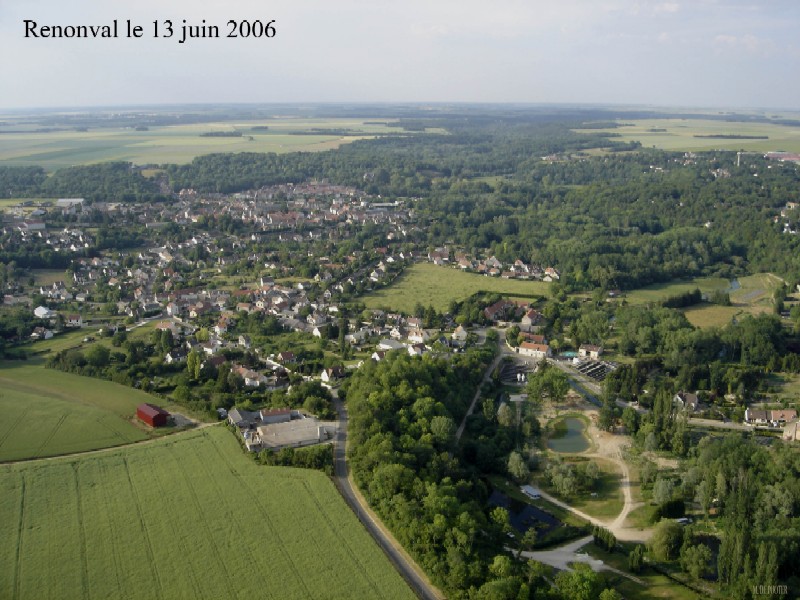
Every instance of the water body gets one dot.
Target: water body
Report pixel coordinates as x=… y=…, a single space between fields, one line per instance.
x=571 y=439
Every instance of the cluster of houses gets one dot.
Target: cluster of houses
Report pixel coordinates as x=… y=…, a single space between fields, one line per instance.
x=491 y=266
x=273 y=429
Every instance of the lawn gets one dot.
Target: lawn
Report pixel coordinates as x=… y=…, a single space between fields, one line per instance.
x=179 y=143
x=50 y=413
x=656 y=584
x=661 y=291
x=429 y=284
x=185 y=517
x=608 y=502
x=679 y=134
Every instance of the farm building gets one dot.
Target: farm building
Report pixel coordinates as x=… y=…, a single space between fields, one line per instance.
x=151 y=414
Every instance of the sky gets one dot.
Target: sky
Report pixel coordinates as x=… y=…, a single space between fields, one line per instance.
x=677 y=53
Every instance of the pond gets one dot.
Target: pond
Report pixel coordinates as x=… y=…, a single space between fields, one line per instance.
x=569 y=437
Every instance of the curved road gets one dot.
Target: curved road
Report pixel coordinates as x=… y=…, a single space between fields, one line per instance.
x=402 y=562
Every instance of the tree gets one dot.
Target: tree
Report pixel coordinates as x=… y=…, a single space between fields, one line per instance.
x=695 y=560
x=636 y=559
x=442 y=428
x=505 y=415
x=663 y=490
x=194 y=364
x=579 y=584
x=610 y=594
x=98 y=355
x=517 y=467
x=666 y=540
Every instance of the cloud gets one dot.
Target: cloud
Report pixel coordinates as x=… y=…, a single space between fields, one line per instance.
x=667 y=7
x=747 y=42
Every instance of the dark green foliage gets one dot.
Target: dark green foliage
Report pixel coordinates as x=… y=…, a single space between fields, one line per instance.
x=314 y=457
x=401 y=412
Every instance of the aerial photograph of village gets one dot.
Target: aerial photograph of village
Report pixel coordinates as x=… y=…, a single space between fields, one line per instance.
x=346 y=300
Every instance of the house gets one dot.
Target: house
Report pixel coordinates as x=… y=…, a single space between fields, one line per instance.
x=332 y=374
x=687 y=401
x=590 y=351
x=418 y=336
x=74 y=321
x=775 y=418
x=151 y=414
x=41 y=333
x=244 y=341
x=537 y=351
x=460 y=334
x=532 y=318
x=378 y=355
x=387 y=344
x=174 y=356
x=42 y=312
x=286 y=357
x=416 y=349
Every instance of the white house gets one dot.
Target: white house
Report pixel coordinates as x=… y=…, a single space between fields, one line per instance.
x=537 y=351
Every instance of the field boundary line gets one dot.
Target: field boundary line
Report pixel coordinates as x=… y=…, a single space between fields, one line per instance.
x=20 y=530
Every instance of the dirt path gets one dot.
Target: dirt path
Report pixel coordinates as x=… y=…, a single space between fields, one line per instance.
x=609 y=447
x=486 y=377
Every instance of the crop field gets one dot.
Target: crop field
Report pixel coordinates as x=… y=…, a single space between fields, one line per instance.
x=680 y=134
x=180 y=143
x=48 y=412
x=188 y=516
x=429 y=284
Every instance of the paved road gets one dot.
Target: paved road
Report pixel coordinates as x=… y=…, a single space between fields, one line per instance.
x=563 y=556
x=388 y=544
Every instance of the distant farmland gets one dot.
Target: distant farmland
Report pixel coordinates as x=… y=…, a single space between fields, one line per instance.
x=179 y=143
x=47 y=412
x=185 y=517
x=429 y=284
x=706 y=134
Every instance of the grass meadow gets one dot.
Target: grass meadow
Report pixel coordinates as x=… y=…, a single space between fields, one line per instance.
x=48 y=412
x=188 y=516
x=753 y=296
x=179 y=143
x=678 y=134
x=430 y=284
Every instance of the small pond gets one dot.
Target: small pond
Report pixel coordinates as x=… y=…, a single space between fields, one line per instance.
x=569 y=437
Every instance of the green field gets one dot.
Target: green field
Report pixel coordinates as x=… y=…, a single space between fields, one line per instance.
x=177 y=144
x=429 y=284
x=48 y=412
x=679 y=134
x=753 y=296
x=185 y=517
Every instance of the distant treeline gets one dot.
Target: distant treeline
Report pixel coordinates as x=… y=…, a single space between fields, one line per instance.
x=222 y=134
x=731 y=136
